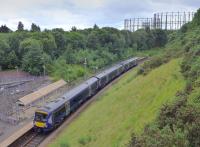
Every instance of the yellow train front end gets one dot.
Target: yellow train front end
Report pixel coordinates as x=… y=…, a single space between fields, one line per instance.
x=40 y=121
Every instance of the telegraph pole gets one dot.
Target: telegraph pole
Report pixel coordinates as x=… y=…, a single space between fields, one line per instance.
x=85 y=65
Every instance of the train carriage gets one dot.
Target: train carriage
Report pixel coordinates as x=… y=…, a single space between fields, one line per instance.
x=129 y=63
x=108 y=75
x=81 y=93
x=102 y=79
x=115 y=71
x=51 y=115
x=133 y=62
x=93 y=84
x=77 y=96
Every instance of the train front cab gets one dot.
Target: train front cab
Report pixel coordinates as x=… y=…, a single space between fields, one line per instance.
x=42 y=121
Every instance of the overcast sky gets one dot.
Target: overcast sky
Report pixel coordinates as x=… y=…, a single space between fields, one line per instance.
x=84 y=13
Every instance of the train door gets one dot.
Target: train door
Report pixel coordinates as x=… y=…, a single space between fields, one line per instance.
x=90 y=90
x=67 y=108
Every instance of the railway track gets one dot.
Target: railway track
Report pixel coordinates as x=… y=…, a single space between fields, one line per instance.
x=30 y=139
x=34 y=139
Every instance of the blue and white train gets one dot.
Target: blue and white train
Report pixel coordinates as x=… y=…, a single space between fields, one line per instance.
x=53 y=114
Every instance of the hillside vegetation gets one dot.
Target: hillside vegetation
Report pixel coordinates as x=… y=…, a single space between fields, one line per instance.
x=125 y=107
x=72 y=54
x=146 y=109
x=178 y=123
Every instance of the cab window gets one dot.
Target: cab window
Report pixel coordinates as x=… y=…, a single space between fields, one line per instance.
x=40 y=117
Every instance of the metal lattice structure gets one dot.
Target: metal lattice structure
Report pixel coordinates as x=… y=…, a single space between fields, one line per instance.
x=163 y=20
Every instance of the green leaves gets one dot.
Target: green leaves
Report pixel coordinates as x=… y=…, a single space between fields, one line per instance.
x=196 y=19
x=34 y=58
x=59 y=69
x=35 y=28
x=8 y=58
x=101 y=47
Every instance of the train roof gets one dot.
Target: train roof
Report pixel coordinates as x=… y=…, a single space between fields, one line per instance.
x=107 y=71
x=91 y=80
x=129 y=60
x=73 y=92
x=53 y=105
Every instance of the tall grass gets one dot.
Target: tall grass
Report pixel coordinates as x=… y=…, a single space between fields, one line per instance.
x=124 y=108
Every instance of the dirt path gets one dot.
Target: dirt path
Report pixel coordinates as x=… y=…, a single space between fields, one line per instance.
x=73 y=116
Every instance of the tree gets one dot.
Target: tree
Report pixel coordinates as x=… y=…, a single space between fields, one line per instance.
x=74 y=29
x=4 y=47
x=14 y=40
x=93 y=40
x=35 y=28
x=129 y=38
x=4 y=29
x=141 y=39
x=147 y=29
x=34 y=59
x=20 y=26
x=76 y=40
x=160 y=37
x=60 y=41
x=49 y=44
x=29 y=44
x=12 y=60
x=58 y=30
x=8 y=58
x=95 y=27
x=196 y=19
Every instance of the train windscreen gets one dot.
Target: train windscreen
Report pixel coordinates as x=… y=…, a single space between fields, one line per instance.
x=41 y=117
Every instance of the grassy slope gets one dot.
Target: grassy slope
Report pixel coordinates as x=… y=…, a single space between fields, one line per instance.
x=126 y=107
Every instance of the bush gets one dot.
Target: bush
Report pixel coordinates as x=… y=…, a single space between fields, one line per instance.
x=59 y=69
x=160 y=38
x=178 y=123
x=64 y=145
x=196 y=19
x=153 y=63
x=184 y=28
x=84 y=140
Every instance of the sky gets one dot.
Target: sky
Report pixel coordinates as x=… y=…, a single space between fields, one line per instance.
x=84 y=13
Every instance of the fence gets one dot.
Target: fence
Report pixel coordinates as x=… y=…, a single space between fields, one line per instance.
x=8 y=119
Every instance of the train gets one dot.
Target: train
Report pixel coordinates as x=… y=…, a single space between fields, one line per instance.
x=51 y=115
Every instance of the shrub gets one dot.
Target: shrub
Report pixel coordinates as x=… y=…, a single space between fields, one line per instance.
x=153 y=63
x=64 y=145
x=84 y=140
x=59 y=69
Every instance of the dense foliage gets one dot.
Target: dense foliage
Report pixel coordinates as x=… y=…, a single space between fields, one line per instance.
x=35 y=51
x=178 y=123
